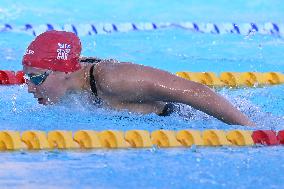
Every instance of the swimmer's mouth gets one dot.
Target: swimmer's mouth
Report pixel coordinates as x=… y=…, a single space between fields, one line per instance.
x=41 y=100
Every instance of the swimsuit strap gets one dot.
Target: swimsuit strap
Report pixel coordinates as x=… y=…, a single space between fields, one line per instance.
x=93 y=81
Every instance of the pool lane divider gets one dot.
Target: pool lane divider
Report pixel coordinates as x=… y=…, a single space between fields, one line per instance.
x=234 y=79
x=249 y=28
x=11 y=78
x=225 y=79
x=115 y=139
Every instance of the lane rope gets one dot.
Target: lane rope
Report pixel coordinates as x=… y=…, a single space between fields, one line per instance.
x=114 y=139
x=225 y=79
x=268 y=28
x=234 y=79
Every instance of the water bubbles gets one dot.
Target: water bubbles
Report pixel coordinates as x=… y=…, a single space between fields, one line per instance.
x=154 y=149
x=94 y=44
x=13 y=100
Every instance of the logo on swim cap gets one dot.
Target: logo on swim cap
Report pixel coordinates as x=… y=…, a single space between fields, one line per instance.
x=63 y=51
x=28 y=51
x=54 y=50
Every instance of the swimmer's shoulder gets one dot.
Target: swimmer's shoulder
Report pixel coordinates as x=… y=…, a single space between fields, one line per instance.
x=101 y=66
x=100 y=69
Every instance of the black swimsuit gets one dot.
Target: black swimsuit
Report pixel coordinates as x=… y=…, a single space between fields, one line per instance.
x=169 y=108
x=93 y=81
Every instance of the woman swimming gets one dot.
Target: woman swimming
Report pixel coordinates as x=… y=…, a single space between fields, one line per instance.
x=53 y=66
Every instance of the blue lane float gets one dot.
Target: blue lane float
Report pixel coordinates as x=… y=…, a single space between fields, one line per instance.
x=268 y=28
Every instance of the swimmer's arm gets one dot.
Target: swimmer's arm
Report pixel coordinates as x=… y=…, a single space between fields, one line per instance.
x=136 y=83
x=206 y=100
x=202 y=98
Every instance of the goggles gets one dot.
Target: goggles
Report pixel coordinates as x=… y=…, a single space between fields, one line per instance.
x=37 y=79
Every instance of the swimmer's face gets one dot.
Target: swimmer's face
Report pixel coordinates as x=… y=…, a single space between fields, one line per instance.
x=48 y=87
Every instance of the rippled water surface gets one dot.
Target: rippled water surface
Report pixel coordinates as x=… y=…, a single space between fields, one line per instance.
x=169 y=49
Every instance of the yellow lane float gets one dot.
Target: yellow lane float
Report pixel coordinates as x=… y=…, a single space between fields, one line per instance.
x=240 y=138
x=61 y=139
x=234 y=79
x=138 y=138
x=35 y=140
x=189 y=137
x=215 y=138
x=87 y=139
x=10 y=140
x=112 y=139
x=165 y=138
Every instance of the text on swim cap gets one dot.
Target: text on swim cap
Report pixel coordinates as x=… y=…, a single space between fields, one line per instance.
x=63 y=50
x=28 y=51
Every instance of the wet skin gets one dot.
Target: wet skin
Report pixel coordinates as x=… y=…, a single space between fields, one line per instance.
x=136 y=88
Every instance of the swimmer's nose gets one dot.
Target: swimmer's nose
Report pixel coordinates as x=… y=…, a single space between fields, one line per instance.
x=31 y=87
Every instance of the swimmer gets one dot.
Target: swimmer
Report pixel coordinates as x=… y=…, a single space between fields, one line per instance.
x=53 y=67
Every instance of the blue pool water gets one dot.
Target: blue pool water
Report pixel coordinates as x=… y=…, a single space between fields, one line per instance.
x=170 y=49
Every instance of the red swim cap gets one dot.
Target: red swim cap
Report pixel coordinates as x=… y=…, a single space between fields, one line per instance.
x=54 y=50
